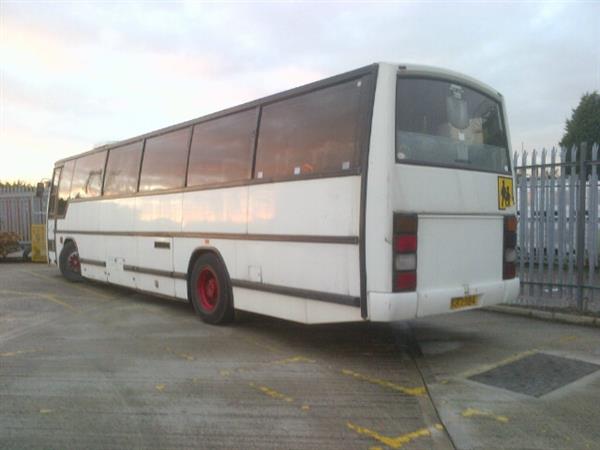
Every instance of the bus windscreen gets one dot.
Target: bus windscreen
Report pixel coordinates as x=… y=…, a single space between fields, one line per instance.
x=443 y=123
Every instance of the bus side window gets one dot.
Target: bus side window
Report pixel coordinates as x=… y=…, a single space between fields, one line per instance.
x=314 y=133
x=87 y=178
x=122 y=169
x=222 y=149
x=64 y=188
x=165 y=160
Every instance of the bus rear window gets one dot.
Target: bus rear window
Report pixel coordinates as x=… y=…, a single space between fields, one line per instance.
x=445 y=124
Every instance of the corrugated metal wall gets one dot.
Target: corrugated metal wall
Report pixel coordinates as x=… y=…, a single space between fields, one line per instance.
x=19 y=208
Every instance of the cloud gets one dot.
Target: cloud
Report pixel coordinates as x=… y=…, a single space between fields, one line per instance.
x=83 y=73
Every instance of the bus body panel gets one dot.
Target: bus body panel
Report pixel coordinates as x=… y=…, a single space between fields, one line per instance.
x=321 y=207
x=293 y=308
x=118 y=215
x=156 y=214
x=439 y=190
x=216 y=211
x=379 y=208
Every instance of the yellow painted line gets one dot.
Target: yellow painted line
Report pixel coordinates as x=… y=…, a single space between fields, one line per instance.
x=294 y=359
x=17 y=352
x=45 y=411
x=272 y=393
x=568 y=338
x=50 y=297
x=72 y=285
x=160 y=387
x=278 y=362
x=472 y=412
x=186 y=356
x=265 y=345
x=486 y=367
x=398 y=441
x=416 y=391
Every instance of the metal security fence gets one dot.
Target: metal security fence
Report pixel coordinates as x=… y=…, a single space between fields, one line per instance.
x=558 y=234
x=19 y=208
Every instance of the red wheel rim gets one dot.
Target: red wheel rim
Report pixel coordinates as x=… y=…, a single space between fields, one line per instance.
x=207 y=288
x=74 y=263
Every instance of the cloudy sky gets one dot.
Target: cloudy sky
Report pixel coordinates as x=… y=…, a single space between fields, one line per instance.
x=78 y=74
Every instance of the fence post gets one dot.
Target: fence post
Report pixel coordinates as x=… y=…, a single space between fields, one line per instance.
x=581 y=224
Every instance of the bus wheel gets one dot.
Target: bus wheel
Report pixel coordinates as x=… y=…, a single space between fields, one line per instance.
x=69 y=263
x=210 y=290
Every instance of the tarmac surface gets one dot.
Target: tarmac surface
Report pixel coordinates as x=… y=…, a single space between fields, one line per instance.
x=86 y=365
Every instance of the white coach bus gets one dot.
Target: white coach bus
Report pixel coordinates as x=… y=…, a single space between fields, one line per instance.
x=382 y=194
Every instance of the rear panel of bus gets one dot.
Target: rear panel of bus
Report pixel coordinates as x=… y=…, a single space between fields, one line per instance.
x=440 y=200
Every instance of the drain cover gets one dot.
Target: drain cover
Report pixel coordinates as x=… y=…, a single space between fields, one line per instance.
x=536 y=374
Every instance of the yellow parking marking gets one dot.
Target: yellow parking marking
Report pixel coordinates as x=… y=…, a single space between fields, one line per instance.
x=568 y=338
x=16 y=353
x=472 y=412
x=50 y=297
x=398 y=441
x=160 y=387
x=265 y=345
x=417 y=391
x=272 y=393
x=72 y=285
x=295 y=359
x=46 y=411
x=54 y=299
x=278 y=362
x=183 y=355
x=486 y=367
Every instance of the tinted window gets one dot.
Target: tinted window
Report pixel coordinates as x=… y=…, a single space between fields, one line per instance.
x=53 y=191
x=64 y=187
x=443 y=123
x=318 y=132
x=87 y=178
x=122 y=169
x=164 y=161
x=222 y=149
x=314 y=133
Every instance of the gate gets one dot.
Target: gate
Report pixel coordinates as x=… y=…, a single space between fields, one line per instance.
x=558 y=228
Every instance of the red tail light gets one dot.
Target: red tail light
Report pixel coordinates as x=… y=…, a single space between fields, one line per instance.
x=508 y=252
x=405 y=243
x=405 y=253
x=406 y=281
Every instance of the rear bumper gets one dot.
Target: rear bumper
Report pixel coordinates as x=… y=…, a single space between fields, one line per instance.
x=389 y=307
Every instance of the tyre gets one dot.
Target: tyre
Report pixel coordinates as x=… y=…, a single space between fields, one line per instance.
x=69 y=263
x=210 y=290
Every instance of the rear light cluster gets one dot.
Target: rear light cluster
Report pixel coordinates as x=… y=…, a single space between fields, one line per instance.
x=405 y=253
x=509 y=252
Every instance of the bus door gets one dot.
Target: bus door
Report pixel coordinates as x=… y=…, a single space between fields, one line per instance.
x=51 y=218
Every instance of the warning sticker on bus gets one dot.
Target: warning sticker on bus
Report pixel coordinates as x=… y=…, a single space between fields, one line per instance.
x=506 y=197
